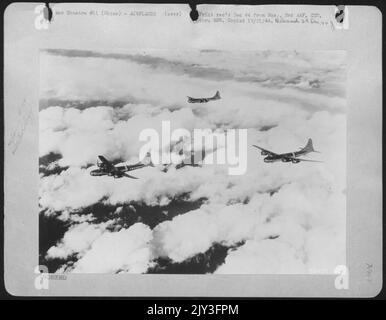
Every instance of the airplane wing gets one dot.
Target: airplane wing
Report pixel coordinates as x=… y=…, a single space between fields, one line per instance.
x=107 y=163
x=129 y=176
x=266 y=151
x=300 y=159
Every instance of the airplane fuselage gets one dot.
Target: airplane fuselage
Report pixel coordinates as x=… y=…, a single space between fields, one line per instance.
x=118 y=170
x=201 y=100
x=284 y=157
x=204 y=100
x=294 y=157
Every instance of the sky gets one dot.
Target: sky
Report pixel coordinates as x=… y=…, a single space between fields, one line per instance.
x=277 y=218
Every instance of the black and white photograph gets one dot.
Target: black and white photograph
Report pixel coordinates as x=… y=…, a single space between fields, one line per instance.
x=198 y=151
x=281 y=210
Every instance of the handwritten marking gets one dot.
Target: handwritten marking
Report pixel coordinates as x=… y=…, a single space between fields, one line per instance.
x=369 y=271
x=18 y=133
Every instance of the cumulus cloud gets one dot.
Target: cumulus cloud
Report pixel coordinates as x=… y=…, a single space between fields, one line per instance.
x=289 y=217
x=265 y=257
x=76 y=240
x=126 y=250
x=79 y=136
x=302 y=215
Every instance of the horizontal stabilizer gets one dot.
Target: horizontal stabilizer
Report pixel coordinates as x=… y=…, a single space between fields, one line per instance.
x=129 y=176
x=300 y=159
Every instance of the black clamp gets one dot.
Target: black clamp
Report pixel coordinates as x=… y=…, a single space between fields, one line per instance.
x=194 y=13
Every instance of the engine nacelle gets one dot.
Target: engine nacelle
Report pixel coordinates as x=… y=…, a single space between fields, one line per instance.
x=264 y=153
x=101 y=165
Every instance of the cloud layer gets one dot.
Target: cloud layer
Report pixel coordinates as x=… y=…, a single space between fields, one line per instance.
x=290 y=218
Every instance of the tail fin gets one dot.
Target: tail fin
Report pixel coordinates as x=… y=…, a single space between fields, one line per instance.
x=147 y=160
x=217 y=95
x=309 y=147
